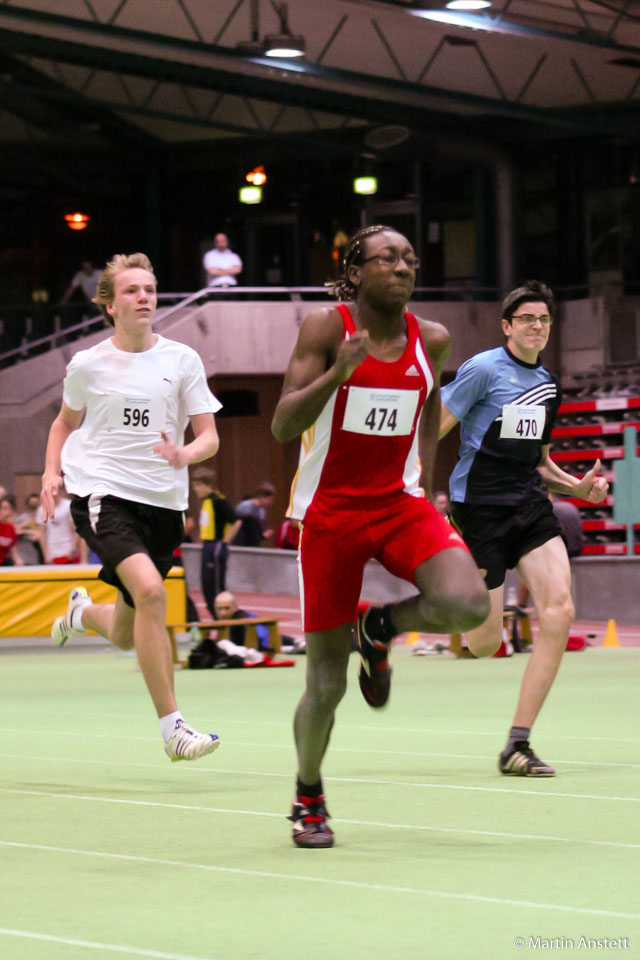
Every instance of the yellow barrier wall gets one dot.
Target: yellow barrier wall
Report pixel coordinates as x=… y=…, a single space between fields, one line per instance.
x=32 y=597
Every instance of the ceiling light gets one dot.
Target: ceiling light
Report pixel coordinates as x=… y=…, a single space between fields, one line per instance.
x=365 y=186
x=250 y=194
x=283 y=44
x=468 y=4
x=77 y=221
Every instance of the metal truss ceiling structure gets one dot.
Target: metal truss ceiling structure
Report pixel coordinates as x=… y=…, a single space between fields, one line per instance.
x=149 y=72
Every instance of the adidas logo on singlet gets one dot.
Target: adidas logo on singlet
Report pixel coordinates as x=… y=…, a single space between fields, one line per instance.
x=412 y=371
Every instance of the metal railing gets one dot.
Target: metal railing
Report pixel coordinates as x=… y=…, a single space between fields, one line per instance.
x=20 y=324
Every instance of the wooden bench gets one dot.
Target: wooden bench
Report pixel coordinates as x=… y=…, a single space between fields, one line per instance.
x=223 y=628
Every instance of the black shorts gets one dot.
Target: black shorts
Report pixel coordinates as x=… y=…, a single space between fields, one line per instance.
x=116 y=529
x=499 y=536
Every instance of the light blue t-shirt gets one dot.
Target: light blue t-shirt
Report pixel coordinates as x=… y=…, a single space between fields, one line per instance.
x=498 y=457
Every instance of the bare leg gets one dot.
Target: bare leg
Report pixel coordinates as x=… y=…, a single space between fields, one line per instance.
x=326 y=682
x=144 y=583
x=547 y=573
x=485 y=640
x=452 y=598
x=114 y=622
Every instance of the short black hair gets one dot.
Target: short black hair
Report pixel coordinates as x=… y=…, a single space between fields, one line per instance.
x=532 y=291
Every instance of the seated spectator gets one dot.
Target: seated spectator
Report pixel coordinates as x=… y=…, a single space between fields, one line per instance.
x=251 y=513
x=30 y=531
x=9 y=556
x=226 y=608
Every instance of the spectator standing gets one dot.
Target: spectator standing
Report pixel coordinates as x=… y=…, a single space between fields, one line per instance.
x=221 y=264
x=85 y=280
x=9 y=556
x=252 y=513
x=30 y=532
x=218 y=526
x=571 y=522
x=60 y=540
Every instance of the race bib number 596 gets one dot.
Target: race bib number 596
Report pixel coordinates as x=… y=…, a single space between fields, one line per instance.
x=380 y=412
x=136 y=413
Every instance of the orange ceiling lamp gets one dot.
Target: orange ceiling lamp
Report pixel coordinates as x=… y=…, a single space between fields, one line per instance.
x=257 y=177
x=77 y=221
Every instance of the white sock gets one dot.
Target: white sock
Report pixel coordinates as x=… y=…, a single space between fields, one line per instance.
x=168 y=724
x=76 y=617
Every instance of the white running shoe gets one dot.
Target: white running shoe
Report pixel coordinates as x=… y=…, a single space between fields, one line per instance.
x=185 y=743
x=62 y=629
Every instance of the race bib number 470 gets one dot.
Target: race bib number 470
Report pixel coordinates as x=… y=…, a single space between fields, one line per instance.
x=136 y=413
x=380 y=412
x=521 y=421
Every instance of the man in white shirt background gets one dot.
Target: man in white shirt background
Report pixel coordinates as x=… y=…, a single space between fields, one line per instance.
x=221 y=264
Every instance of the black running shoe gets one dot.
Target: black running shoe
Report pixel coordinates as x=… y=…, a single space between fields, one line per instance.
x=522 y=762
x=309 y=817
x=375 y=672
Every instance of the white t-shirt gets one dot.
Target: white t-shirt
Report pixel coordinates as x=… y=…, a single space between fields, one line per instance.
x=88 y=282
x=129 y=398
x=60 y=531
x=222 y=260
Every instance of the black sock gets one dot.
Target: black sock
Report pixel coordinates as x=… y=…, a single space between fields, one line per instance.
x=516 y=734
x=305 y=790
x=378 y=624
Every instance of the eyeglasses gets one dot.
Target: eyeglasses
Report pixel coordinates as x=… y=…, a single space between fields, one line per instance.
x=530 y=319
x=391 y=260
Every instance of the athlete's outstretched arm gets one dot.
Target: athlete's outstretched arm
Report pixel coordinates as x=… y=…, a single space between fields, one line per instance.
x=437 y=344
x=591 y=487
x=62 y=427
x=320 y=362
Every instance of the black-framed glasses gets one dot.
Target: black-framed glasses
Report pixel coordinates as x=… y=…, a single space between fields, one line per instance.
x=391 y=260
x=530 y=318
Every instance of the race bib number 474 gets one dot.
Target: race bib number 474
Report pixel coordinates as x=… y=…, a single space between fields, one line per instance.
x=380 y=412
x=522 y=421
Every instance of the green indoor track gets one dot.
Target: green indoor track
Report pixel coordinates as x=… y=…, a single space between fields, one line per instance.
x=109 y=849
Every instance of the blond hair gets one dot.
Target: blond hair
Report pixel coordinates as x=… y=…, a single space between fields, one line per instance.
x=106 y=285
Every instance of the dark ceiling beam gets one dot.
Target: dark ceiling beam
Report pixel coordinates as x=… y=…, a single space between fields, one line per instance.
x=386 y=100
x=28 y=93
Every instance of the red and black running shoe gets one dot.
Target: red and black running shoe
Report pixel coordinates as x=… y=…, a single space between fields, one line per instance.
x=309 y=817
x=375 y=672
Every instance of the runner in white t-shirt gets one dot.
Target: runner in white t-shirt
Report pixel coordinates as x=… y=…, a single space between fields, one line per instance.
x=119 y=438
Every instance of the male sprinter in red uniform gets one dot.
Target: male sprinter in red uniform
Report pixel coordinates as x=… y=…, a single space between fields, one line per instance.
x=357 y=383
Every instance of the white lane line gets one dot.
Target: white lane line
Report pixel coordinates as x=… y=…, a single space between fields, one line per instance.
x=374 y=727
x=287 y=746
x=234 y=811
x=326 y=881
x=520 y=792
x=97 y=945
